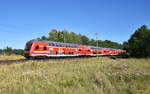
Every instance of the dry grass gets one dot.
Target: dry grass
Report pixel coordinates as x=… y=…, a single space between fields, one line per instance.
x=77 y=76
x=11 y=57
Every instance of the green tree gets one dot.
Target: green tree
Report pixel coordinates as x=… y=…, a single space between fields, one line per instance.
x=38 y=38
x=92 y=42
x=8 y=50
x=18 y=51
x=139 y=43
x=85 y=40
x=1 y=51
x=53 y=35
x=126 y=46
x=65 y=35
x=71 y=37
x=44 y=38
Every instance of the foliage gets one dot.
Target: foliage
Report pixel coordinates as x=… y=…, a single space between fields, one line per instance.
x=110 y=44
x=9 y=51
x=11 y=57
x=44 y=38
x=126 y=46
x=139 y=43
x=77 y=76
x=1 y=51
x=71 y=37
x=18 y=51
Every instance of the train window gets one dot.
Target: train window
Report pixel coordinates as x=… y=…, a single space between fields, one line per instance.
x=79 y=49
x=88 y=50
x=64 y=53
x=50 y=44
x=66 y=46
x=57 y=44
x=63 y=45
x=56 y=52
x=99 y=52
x=37 y=47
x=60 y=45
x=28 y=46
x=72 y=53
x=69 y=53
x=44 y=48
x=53 y=44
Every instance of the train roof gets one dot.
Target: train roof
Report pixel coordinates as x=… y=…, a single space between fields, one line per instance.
x=34 y=40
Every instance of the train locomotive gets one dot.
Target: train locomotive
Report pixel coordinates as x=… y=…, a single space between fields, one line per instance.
x=42 y=48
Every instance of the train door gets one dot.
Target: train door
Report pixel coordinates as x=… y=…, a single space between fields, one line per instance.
x=76 y=51
x=84 y=51
x=91 y=51
x=51 y=51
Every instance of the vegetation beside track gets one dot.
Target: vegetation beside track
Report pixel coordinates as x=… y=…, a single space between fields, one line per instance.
x=77 y=76
x=11 y=57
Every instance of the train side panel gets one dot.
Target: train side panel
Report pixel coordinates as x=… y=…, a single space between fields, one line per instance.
x=56 y=49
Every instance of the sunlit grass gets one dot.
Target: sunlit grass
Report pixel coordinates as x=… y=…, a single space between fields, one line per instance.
x=77 y=76
x=11 y=57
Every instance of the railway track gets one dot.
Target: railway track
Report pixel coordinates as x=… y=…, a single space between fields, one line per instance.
x=9 y=62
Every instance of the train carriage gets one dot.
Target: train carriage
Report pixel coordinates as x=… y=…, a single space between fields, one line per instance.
x=41 y=48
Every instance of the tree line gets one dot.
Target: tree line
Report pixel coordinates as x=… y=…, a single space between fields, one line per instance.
x=10 y=51
x=71 y=37
x=138 y=44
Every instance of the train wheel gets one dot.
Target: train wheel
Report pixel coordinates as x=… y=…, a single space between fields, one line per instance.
x=27 y=57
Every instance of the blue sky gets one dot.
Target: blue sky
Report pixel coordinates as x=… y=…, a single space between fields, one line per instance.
x=116 y=20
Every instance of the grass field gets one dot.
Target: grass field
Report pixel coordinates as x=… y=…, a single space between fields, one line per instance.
x=78 y=76
x=11 y=57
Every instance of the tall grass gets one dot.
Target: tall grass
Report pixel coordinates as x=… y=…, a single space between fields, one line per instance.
x=77 y=76
x=11 y=57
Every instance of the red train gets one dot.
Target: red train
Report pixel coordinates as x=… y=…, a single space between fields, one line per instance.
x=41 y=48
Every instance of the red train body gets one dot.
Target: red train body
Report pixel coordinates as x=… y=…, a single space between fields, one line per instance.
x=39 y=48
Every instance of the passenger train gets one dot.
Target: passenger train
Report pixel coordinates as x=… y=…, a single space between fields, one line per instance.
x=42 y=48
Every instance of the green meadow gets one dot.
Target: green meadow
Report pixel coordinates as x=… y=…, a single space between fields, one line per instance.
x=100 y=75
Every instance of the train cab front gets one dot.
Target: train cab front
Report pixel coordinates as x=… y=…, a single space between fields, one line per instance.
x=27 y=49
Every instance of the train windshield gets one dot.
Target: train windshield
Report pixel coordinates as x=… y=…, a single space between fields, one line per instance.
x=28 y=46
